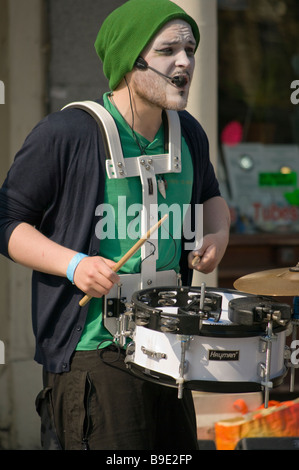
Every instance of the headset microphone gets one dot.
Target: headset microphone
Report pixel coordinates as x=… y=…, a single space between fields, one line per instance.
x=178 y=80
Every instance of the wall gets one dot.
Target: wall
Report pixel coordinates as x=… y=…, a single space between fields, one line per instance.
x=22 y=71
x=46 y=61
x=75 y=71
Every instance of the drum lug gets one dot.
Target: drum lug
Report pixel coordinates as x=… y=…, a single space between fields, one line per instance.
x=262 y=372
x=125 y=327
x=185 y=340
x=264 y=368
x=265 y=340
x=262 y=346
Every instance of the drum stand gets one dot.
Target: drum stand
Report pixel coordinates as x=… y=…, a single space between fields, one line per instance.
x=265 y=368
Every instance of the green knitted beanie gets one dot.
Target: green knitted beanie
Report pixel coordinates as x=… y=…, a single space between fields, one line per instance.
x=128 y=29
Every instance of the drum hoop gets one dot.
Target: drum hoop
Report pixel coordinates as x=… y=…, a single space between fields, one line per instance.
x=203 y=385
x=188 y=324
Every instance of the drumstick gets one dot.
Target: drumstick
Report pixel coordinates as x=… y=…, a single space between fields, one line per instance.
x=129 y=254
x=196 y=260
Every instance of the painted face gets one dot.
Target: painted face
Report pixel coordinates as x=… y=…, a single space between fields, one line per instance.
x=171 y=52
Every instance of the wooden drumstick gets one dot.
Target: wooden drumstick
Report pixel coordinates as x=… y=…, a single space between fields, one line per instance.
x=196 y=260
x=129 y=254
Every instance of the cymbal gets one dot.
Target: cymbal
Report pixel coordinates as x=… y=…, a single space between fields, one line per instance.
x=282 y=282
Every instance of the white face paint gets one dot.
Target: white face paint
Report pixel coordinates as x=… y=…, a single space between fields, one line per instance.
x=171 y=52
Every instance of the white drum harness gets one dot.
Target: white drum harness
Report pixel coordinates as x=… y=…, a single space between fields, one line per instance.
x=147 y=167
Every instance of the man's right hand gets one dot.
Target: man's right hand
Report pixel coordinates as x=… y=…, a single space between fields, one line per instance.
x=94 y=276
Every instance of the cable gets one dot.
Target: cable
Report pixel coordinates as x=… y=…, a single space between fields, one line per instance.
x=109 y=348
x=151 y=254
x=141 y=148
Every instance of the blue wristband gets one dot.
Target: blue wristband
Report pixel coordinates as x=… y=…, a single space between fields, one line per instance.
x=73 y=265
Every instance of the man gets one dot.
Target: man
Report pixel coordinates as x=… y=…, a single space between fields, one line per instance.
x=48 y=222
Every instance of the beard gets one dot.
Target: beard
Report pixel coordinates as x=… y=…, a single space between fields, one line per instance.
x=158 y=92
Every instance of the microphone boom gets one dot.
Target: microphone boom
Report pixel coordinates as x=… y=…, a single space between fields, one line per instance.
x=178 y=80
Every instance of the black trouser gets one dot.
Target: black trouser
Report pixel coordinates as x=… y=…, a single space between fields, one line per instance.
x=99 y=405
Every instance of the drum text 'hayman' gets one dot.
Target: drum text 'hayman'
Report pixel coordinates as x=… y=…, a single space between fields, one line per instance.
x=223 y=355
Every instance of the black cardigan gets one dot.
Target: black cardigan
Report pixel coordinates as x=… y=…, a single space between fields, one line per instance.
x=55 y=183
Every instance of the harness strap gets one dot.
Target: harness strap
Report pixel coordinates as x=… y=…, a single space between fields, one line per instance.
x=144 y=166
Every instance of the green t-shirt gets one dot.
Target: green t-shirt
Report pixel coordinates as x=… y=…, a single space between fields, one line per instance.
x=123 y=200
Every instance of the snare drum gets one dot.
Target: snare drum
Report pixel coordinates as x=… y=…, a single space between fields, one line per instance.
x=180 y=337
